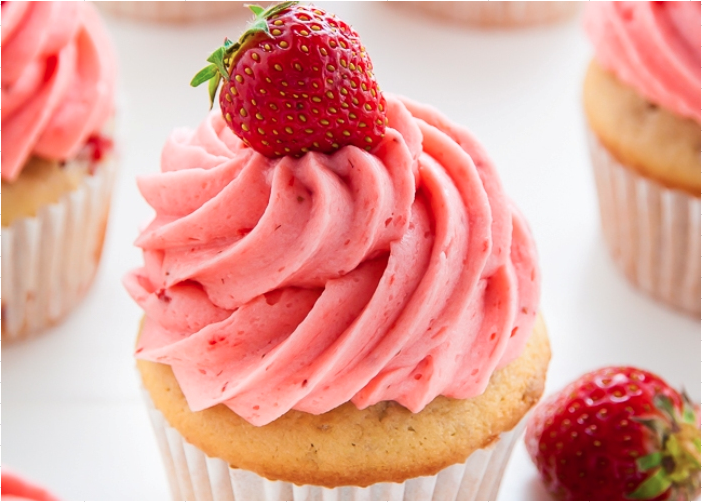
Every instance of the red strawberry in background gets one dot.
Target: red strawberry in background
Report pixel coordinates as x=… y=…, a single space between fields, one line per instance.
x=297 y=80
x=617 y=433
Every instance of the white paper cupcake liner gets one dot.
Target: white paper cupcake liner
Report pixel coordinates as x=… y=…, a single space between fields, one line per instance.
x=193 y=475
x=498 y=13
x=178 y=11
x=653 y=232
x=49 y=261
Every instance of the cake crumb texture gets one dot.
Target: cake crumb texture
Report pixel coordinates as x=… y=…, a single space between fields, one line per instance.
x=348 y=446
x=641 y=135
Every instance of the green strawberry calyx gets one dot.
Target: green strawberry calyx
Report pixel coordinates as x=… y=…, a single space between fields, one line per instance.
x=675 y=465
x=222 y=58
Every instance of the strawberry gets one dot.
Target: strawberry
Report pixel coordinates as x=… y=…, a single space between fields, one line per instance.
x=297 y=80
x=617 y=434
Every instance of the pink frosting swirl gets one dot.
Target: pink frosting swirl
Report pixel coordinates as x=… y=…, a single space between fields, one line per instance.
x=16 y=488
x=652 y=46
x=58 y=79
x=278 y=284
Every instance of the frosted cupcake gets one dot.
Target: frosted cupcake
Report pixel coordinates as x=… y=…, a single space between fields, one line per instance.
x=642 y=102
x=341 y=302
x=178 y=11
x=58 y=81
x=498 y=14
x=15 y=487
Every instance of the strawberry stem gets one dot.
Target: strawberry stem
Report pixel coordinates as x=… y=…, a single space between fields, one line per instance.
x=218 y=57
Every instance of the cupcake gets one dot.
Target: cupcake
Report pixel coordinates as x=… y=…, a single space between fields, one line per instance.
x=340 y=300
x=15 y=487
x=171 y=12
x=58 y=81
x=642 y=103
x=497 y=14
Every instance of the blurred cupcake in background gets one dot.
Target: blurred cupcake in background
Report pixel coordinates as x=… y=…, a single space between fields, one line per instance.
x=58 y=81
x=642 y=103
x=171 y=12
x=497 y=14
x=15 y=487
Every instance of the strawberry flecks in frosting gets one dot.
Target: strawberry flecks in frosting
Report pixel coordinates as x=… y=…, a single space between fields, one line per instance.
x=279 y=284
x=58 y=79
x=652 y=46
x=16 y=488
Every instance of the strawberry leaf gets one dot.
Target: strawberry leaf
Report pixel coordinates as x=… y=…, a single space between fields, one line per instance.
x=652 y=487
x=260 y=24
x=655 y=425
x=688 y=415
x=212 y=88
x=204 y=75
x=673 y=445
x=665 y=404
x=256 y=9
x=217 y=58
x=649 y=461
x=275 y=9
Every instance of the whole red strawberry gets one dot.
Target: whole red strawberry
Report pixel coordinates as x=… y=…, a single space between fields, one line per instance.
x=297 y=80
x=617 y=434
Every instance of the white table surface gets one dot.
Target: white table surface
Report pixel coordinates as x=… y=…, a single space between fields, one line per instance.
x=72 y=414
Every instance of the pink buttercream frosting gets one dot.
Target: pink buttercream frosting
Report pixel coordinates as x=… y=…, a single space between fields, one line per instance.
x=58 y=80
x=652 y=46
x=16 y=488
x=279 y=284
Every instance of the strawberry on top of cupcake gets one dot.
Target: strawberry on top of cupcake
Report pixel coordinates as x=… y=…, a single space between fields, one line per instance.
x=317 y=242
x=304 y=84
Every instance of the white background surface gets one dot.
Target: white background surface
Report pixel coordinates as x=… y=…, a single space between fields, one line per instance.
x=72 y=415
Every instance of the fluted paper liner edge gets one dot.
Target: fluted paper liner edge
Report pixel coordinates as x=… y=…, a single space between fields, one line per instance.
x=49 y=260
x=192 y=475
x=652 y=232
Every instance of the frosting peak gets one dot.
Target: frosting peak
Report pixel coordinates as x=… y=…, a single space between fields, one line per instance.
x=58 y=80
x=652 y=46
x=278 y=284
